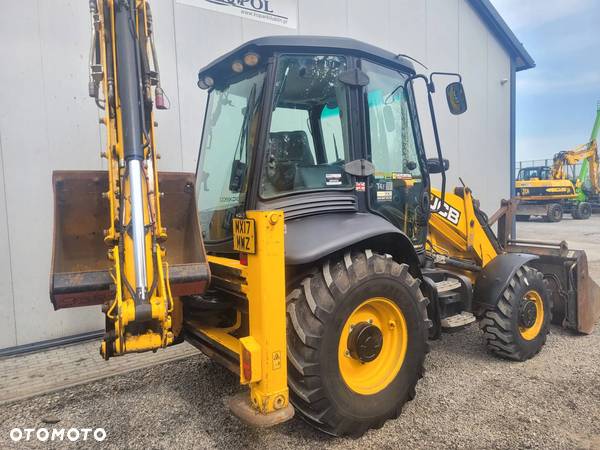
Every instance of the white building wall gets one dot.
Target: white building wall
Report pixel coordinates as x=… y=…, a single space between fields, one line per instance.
x=47 y=122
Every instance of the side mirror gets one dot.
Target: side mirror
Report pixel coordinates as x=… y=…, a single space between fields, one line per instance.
x=388 y=118
x=434 y=166
x=457 y=101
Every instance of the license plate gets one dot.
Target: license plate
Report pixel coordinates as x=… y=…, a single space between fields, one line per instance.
x=243 y=236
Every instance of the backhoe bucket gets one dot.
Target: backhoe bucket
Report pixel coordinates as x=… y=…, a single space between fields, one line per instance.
x=81 y=270
x=575 y=295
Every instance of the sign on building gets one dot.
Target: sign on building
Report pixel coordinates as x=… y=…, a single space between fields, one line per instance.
x=275 y=12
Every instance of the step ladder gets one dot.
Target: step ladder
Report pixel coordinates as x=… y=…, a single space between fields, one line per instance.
x=458 y=320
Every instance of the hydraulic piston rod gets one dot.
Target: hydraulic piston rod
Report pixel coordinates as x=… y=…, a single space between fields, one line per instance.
x=134 y=168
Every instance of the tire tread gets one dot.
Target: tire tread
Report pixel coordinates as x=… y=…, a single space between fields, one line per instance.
x=496 y=324
x=308 y=308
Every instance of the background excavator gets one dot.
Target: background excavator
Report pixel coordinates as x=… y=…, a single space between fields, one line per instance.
x=571 y=185
x=309 y=254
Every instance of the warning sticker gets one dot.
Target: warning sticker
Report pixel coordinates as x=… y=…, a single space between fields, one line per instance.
x=384 y=196
x=276 y=360
x=333 y=179
x=401 y=176
x=383 y=175
x=385 y=186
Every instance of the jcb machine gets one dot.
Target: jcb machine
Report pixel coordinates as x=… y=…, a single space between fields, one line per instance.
x=309 y=253
x=551 y=191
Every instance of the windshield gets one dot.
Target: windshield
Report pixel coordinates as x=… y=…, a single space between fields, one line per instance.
x=229 y=132
x=540 y=173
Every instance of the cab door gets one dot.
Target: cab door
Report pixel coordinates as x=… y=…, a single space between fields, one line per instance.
x=397 y=188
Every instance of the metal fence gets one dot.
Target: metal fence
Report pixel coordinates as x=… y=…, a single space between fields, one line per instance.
x=540 y=162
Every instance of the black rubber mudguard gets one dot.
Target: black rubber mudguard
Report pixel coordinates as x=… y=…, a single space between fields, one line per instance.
x=494 y=278
x=309 y=239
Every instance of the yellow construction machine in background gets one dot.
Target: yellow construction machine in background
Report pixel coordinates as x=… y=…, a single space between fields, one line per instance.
x=571 y=185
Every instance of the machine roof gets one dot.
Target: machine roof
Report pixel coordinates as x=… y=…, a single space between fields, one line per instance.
x=311 y=43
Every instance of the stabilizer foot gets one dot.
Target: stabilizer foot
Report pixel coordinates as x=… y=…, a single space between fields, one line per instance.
x=242 y=408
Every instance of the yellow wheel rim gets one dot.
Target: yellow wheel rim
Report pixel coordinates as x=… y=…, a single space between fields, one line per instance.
x=530 y=333
x=369 y=378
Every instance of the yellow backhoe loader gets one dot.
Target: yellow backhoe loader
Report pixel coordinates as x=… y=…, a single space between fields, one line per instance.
x=309 y=253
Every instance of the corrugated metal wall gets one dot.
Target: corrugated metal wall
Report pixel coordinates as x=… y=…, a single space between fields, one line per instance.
x=47 y=121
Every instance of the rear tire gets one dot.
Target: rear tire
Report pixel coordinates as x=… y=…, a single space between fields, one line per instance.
x=555 y=213
x=504 y=332
x=583 y=211
x=319 y=310
x=523 y=217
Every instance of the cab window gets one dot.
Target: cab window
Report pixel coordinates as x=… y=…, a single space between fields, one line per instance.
x=230 y=129
x=531 y=173
x=307 y=143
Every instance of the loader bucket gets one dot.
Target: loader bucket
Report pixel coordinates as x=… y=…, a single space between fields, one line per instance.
x=576 y=296
x=80 y=272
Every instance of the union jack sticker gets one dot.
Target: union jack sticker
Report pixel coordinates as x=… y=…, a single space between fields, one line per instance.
x=360 y=186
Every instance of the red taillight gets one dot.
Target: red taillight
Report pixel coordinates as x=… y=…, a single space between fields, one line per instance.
x=244 y=259
x=246 y=364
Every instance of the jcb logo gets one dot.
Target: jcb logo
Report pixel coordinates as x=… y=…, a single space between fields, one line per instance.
x=243 y=236
x=449 y=213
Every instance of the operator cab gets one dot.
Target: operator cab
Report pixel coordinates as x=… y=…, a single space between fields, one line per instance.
x=312 y=126
x=534 y=173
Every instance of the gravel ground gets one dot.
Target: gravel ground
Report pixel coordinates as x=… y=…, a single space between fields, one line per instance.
x=467 y=399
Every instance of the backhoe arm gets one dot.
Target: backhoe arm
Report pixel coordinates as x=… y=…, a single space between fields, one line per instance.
x=588 y=155
x=141 y=310
x=139 y=291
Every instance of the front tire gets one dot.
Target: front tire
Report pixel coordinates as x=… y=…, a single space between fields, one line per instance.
x=517 y=327
x=357 y=339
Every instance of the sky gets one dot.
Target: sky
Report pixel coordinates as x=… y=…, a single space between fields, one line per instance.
x=556 y=101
